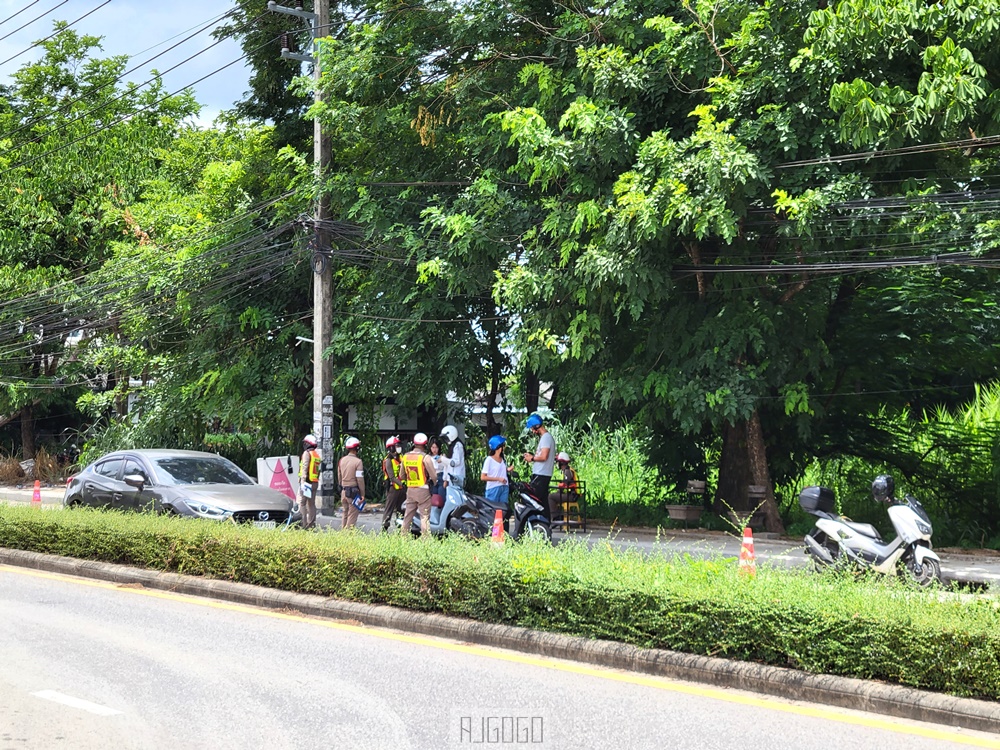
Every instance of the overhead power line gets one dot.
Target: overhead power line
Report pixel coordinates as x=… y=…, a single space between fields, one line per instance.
x=54 y=33
x=21 y=28
x=130 y=115
x=67 y=105
x=967 y=143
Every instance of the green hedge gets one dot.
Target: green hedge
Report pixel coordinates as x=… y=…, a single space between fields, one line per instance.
x=870 y=628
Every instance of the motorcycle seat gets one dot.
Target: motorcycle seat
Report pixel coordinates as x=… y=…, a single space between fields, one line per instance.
x=480 y=500
x=862 y=528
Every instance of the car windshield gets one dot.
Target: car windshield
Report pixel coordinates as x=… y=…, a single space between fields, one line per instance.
x=200 y=470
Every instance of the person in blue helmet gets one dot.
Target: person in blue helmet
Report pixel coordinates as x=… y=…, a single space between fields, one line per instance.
x=542 y=461
x=495 y=471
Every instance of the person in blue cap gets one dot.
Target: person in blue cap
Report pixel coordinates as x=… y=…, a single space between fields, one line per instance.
x=495 y=471
x=542 y=461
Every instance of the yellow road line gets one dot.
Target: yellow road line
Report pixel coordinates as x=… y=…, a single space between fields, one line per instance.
x=633 y=678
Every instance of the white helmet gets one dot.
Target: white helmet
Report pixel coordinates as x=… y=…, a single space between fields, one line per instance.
x=563 y=456
x=351 y=443
x=420 y=439
x=309 y=441
x=391 y=442
x=450 y=433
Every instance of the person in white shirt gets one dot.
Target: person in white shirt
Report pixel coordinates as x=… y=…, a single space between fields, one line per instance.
x=495 y=471
x=456 y=455
x=542 y=461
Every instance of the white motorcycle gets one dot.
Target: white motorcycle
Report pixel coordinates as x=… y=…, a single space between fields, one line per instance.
x=836 y=541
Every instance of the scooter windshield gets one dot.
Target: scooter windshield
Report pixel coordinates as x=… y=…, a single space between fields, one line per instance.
x=917 y=508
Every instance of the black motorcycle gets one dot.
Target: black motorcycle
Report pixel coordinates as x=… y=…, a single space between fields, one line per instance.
x=523 y=515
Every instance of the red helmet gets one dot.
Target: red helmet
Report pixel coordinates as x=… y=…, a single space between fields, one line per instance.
x=392 y=442
x=351 y=443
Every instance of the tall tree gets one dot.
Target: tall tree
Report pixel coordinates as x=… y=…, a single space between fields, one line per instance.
x=76 y=145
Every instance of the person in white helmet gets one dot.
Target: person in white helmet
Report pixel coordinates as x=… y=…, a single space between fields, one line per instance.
x=420 y=477
x=456 y=455
x=568 y=488
x=309 y=468
x=351 y=473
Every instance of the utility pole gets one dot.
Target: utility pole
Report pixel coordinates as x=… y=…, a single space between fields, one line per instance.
x=319 y=25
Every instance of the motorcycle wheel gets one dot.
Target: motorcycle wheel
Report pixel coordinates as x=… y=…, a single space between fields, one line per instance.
x=469 y=529
x=537 y=530
x=930 y=572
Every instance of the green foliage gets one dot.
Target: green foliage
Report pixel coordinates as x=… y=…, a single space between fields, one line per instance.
x=868 y=628
x=617 y=465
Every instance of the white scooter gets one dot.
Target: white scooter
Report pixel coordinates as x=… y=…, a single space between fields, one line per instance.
x=453 y=516
x=836 y=541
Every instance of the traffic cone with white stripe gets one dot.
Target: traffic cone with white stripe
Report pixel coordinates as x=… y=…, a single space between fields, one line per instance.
x=748 y=561
x=497 y=534
x=36 y=496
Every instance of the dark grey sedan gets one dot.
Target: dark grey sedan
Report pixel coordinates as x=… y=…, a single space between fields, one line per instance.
x=188 y=483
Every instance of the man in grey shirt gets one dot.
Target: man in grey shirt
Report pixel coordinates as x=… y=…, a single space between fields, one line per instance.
x=542 y=460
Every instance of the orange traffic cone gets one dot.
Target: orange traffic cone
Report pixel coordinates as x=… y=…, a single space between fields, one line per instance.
x=498 y=527
x=36 y=496
x=748 y=561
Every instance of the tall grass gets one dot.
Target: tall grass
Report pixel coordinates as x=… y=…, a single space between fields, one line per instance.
x=616 y=463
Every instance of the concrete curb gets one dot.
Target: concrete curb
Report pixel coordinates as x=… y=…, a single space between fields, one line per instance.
x=844 y=692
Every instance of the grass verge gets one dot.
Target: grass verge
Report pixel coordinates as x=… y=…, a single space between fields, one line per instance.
x=869 y=628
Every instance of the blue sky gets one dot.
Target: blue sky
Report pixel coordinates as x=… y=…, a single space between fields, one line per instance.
x=140 y=29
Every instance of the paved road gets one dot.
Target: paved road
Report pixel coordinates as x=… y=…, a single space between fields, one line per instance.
x=976 y=568
x=89 y=665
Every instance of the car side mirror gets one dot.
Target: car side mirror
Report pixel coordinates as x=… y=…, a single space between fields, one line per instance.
x=135 y=480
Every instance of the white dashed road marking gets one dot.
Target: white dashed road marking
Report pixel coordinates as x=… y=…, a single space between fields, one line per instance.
x=69 y=700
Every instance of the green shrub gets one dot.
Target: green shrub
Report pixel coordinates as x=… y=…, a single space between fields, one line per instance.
x=868 y=628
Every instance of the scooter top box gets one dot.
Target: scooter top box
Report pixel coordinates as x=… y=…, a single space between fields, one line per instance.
x=817 y=498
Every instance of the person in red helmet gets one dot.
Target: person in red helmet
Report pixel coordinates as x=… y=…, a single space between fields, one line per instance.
x=395 y=481
x=352 y=482
x=309 y=467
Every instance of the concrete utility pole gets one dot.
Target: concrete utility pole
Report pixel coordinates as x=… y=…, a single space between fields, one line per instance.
x=319 y=23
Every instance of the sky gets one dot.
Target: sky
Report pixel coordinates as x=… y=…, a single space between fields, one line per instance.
x=141 y=29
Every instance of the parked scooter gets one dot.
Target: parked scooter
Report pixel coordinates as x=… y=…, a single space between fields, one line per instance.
x=447 y=518
x=524 y=515
x=836 y=541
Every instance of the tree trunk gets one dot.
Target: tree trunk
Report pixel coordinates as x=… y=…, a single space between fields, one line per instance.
x=744 y=462
x=531 y=391
x=734 y=470
x=28 y=431
x=761 y=474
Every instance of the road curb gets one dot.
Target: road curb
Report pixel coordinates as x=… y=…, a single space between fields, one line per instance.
x=844 y=692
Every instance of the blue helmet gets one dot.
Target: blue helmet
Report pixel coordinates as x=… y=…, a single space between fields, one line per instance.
x=496 y=441
x=533 y=421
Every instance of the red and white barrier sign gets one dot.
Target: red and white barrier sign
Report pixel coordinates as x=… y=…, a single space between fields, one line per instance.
x=280 y=473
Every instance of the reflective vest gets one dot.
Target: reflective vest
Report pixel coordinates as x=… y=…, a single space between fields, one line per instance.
x=570 y=483
x=310 y=472
x=392 y=467
x=416 y=472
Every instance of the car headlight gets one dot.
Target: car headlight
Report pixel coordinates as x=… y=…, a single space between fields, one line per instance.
x=204 y=510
